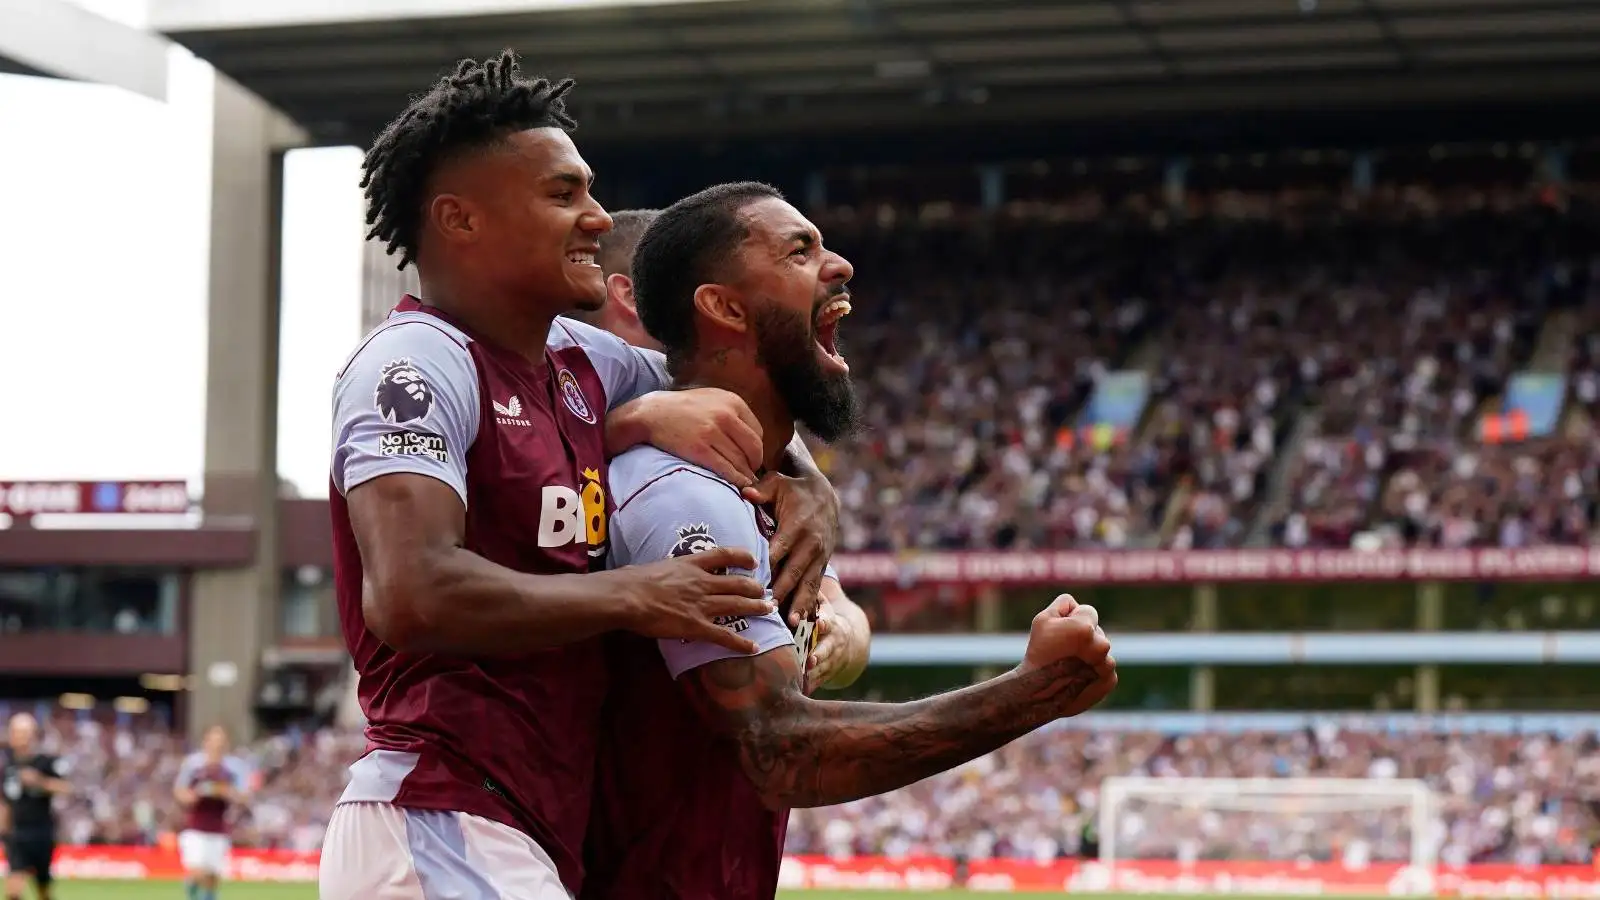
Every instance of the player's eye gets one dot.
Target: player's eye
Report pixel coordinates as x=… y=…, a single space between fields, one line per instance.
x=563 y=196
x=801 y=251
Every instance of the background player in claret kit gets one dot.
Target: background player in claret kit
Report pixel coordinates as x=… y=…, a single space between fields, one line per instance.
x=739 y=288
x=617 y=312
x=842 y=634
x=209 y=784
x=471 y=437
x=30 y=782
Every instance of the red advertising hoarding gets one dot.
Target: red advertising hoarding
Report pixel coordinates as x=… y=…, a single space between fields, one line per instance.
x=998 y=875
x=1277 y=879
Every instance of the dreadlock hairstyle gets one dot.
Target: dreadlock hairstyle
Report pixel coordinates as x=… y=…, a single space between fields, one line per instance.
x=477 y=106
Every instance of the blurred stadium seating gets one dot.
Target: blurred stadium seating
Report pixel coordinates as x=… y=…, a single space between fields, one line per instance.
x=1243 y=398
x=1317 y=367
x=1312 y=356
x=1525 y=799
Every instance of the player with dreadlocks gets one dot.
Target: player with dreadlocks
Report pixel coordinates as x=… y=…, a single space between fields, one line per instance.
x=472 y=431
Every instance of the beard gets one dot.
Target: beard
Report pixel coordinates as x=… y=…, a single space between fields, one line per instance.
x=824 y=402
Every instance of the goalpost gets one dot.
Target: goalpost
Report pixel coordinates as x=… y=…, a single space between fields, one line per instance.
x=1350 y=823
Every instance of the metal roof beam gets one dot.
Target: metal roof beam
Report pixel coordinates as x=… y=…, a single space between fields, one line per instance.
x=64 y=40
x=1132 y=99
x=726 y=25
x=1386 y=25
x=1152 y=41
x=643 y=79
x=172 y=16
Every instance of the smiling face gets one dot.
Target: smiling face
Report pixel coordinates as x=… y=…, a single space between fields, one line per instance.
x=522 y=214
x=797 y=293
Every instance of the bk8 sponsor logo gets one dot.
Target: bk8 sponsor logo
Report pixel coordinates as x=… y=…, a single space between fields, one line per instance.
x=568 y=516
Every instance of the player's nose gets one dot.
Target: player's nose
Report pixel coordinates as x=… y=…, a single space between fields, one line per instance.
x=837 y=269
x=595 y=220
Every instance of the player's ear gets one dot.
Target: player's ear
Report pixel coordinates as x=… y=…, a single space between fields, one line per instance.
x=626 y=308
x=454 y=217
x=722 y=305
x=619 y=289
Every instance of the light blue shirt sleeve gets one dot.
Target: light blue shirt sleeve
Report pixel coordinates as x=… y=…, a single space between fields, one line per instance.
x=689 y=511
x=406 y=402
x=239 y=770
x=626 y=371
x=186 y=771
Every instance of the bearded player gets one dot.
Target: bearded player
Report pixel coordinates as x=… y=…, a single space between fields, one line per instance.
x=209 y=784
x=837 y=626
x=705 y=751
x=471 y=438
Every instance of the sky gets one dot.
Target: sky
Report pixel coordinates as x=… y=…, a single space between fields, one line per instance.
x=103 y=248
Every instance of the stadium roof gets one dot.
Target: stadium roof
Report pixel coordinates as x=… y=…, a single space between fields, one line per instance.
x=58 y=39
x=721 y=69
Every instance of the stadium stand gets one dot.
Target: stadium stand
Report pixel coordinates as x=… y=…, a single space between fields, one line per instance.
x=1527 y=799
x=1314 y=357
x=1109 y=301
x=1319 y=364
x=1503 y=798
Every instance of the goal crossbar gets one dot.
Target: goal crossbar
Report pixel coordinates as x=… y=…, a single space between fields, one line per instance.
x=1337 y=794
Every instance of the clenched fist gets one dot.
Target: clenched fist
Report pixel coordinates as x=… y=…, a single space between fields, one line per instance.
x=1066 y=636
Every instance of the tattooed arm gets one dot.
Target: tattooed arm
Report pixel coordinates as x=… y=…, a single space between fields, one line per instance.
x=801 y=752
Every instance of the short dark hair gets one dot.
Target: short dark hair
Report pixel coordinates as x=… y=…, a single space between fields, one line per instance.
x=617 y=245
x=688 y=245
x=476 y=107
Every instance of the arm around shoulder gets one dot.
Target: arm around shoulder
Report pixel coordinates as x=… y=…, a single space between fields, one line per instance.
x=426 y=593
x=406 y=413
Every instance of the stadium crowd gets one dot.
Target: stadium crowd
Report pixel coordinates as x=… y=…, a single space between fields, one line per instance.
x=1378 y=328
x=1318 y=365
x=124 y=774
x=1500 y=797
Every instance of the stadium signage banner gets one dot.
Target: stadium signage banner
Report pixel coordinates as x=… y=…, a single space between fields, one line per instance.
x=24 y=499
x=1275 y=879
x=998 y=875
x=1217 y=566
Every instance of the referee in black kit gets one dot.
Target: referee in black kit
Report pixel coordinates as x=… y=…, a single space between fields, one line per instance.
x=29 y=784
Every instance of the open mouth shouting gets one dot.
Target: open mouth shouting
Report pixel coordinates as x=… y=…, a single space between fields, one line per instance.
x=827 y=331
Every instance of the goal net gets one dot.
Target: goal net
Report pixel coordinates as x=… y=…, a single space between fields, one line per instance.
x=1267 y=835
